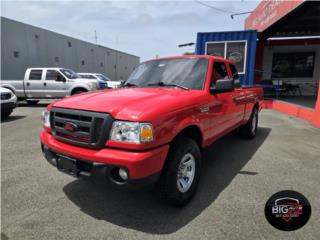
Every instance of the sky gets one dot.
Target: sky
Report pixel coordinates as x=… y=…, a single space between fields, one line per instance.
x=143 y=28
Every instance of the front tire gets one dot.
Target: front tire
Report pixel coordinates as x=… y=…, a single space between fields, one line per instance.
x=181 y=173
x=249 y=130
x=78 y=92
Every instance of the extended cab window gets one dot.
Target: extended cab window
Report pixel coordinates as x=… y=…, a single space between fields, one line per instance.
x=235 y=75
x=219 y=72
x=52 y=75
x=35 y=75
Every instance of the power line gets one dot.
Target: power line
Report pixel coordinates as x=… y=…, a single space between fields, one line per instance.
x=215 y=8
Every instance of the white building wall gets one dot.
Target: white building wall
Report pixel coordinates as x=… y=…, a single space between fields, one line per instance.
x=38 y=47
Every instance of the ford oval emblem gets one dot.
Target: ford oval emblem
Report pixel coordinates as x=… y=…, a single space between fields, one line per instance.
x=71 y=127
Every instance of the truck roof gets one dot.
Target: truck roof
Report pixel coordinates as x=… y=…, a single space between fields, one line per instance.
x=50 y=68
x=194 y=56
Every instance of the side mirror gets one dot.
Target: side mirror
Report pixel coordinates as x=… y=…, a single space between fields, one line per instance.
x=237 y=83
x=222 y=86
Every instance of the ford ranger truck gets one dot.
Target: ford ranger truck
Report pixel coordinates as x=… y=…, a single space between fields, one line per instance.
x=151 y=131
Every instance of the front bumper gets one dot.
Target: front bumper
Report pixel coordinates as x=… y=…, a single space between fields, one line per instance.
x=143 y=167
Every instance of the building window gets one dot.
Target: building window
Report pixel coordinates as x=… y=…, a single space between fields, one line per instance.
x=56 y=59
x=69 y=44
x=36 y=36
x=91 y=49
x=108 y=54
x=233 y=50
x=16 y=54
x=293 y=64
x=82 y=62
x=101 y=64
x=125 y=67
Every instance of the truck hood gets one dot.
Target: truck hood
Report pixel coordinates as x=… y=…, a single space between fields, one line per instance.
x=84 y=80
x=131 y=103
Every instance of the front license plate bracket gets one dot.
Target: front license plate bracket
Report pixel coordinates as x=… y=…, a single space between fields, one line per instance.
x=68 y=165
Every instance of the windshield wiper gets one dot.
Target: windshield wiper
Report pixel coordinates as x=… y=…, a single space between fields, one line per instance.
x=162 y=84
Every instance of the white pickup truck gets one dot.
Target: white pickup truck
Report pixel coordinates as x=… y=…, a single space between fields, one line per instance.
x=48 y=83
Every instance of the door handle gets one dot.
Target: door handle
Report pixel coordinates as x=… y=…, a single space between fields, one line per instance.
x=28 y=84
x=44 y=84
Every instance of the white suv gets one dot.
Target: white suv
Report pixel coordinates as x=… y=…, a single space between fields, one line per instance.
x=8 y=102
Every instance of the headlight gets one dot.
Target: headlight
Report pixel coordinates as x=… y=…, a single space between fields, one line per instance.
x=46 y=118
x=132 y=132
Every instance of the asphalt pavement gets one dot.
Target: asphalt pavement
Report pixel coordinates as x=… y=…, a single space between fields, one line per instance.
x=238 y=177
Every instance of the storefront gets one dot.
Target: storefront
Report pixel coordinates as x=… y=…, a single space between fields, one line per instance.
x=282 y=54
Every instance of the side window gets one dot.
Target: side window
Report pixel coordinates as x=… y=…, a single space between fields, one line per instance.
x=52 y=75
x=35 y=75
x=219 y=72
x=235 y=76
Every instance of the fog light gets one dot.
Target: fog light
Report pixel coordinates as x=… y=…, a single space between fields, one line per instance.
x=123 y=174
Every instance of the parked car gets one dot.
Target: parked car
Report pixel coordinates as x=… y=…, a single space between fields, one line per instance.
x=103 y=81
x=151 y=130
x=8 y=102
x=48 y=83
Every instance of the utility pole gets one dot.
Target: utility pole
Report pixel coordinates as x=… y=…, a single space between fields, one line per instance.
x=116 y=66
x=95 y=36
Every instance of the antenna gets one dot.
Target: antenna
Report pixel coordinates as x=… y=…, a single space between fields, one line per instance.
x=236 y=14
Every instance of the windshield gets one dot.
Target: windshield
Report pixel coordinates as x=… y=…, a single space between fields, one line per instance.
x=187 y=72
x=103 y=77
x=70 y=73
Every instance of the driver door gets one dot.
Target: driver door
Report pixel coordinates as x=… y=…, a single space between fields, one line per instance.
x=222 y=107
x=55 y=84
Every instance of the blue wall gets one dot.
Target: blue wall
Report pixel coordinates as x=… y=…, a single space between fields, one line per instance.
x=250 y=36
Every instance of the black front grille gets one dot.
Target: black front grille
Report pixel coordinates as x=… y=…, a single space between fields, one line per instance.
x=5 y=96
x=89 y=129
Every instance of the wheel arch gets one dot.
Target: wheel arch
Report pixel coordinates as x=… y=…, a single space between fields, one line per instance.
x=192 y=131
x=78 y=88
x=11 y=88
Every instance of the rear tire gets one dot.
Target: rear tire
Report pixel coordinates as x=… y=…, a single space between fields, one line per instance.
x=249 y=130
x=32 y=102
x=181 y=173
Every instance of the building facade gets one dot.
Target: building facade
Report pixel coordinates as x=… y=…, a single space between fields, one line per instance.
x=24 y=46
x=284 y=56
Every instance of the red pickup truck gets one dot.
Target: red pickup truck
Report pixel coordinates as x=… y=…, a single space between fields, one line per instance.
x=152 y=129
